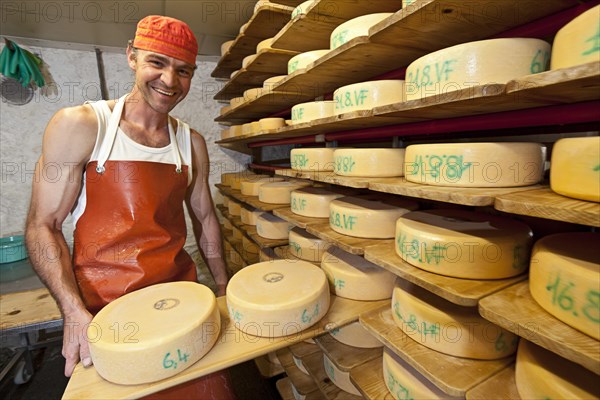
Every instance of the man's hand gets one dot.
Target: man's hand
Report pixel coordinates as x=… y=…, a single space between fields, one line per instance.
x=75 y=344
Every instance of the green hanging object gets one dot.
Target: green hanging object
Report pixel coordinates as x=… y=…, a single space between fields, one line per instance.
x=20 y=64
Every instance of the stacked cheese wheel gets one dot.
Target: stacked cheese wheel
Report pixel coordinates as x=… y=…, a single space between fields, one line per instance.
x=340 y=378
x=277 y=298
x=249 y=215
x=269 y=226
x=378 y=162
x=270 y=83
x=541 y=374
x=312 y=201
x=463 y=244
x=303 y=60
x=365 y=96
x=575 y=168
x=353 y=28
x=476 y=63
x=307 y=112
x=251 y=187
x=355 y=335
x=369 y=216
x=312 y=159
x=237 y=183
x=166 y=329
x=234 y=208
x=475 y=164
x=305 y=246
x=355 y=278
x=279 y=192
x=577 y=42
x=446 y=327
x=564 y=279
x=302 y=8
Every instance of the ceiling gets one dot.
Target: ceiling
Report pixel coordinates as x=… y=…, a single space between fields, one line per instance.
x=85 y=24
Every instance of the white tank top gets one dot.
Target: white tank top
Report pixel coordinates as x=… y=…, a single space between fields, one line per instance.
x=126 y=149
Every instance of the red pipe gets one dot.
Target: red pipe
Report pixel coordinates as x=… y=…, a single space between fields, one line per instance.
x=542 y=116
x=275 y=142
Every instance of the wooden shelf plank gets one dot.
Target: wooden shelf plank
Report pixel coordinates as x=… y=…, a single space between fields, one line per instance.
x=233 y=347
x=350 y=244
x=268 y=63
x=547 y=204
x=303 y=383
x=266 y=368
x=464 y=292
x=499 y=387
x=250 y=200
x=266 y=104
x=284 y=389
x=266 y=21
x=289 y=3
x=297 y=220
x=303 y=349
x=326 y=177
x=285 y=253
x=368 y=379
x=533 y=323
x=465 y=196
x=314 y=365
x=32 y=307
x=346 y=357
x=452 y=375
x=267 y=254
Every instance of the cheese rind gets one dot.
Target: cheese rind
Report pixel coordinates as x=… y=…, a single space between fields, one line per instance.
x=302 y=8
x=271 y=123
x=475 y=63
x=279 y=192
x=307 y=112
x=249 y=215
x=312 y=159
x=542 y=374
x=404 y=382
x=379 y=162
x=355 y=278
x=249 y=246
x=270 y=83
x=277 y=298
x=368 y=95
x=355 y=335
x=312 y=201
x=463 y=244
x=578 y=42
x=575 y=168
x=248 y=60
x=475 y=164
x=264 y=44
x=446 y=327
x=353 y=28
x=162 y=330
x=299 y=364
x=251 y=187
x=269 y=226
x=234 y=207
x=236 y=184
x=302 y=60
x=339 y=378
x=226 y=46
x=367 y=218
x=306 y=246
x=564 y=279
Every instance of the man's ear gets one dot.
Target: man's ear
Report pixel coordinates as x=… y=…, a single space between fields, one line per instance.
x=131 y=58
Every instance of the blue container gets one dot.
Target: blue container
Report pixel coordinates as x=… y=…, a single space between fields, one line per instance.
x=12 y=248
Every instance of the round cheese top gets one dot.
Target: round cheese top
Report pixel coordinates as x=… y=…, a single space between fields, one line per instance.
x=353 y=28
x=248 y=60
x=302 y=8
x=277 y=298
x=302 y=60
x=264 y=44
x=279 y=192
x=163 y=329
x=250 y=187
x=270 y=83
x=575 y=168
x=226 y=46
x=368 y=95
x=577 y=42
x=307 y=112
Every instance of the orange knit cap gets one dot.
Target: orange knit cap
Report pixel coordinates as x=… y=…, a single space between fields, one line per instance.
x=168 y=36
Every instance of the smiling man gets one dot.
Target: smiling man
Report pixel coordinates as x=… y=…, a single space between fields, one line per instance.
x=127 y=169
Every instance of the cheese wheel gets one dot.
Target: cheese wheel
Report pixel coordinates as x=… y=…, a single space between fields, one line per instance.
x=296 y=393
x=475 y=64
x=277 y=298
x=235 y=260
x=261 y=3
x=339 y=378
x=368 y=95
x=475 y=164
x=249 y=215
x=248 y=60
x=264 y=45
x=446 y=327
x=236 y=130
x=302 y=8
x=306 y=246
x=307 y=112
x=250 y=187
x=354 y=28
x=299 y=364
x=303 y=60
x=226 y=133
x=575 y=168
x=578 y=41
x=542 y=374
x=162 y=330
x=463 y=244
x=355 y=278
x=252 y=94
x=226 y=201
x=269 y=226
x=225 y=110
x=228 y=177
x=271 y=123
x=236 y=101
x=236 y=184
x=355 y=335
x=367 y=218
x=369 y=162
x=227 y=224
x=404 y=382
x=270 y=83
x=234 y=73
x=279 y=192
x=234 y=207
x=312 y=201
x=312 y=159
x=249 y=246
x=226 y=46
x=564 y=279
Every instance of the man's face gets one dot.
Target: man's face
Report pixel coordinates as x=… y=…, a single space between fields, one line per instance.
x=163 y=81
